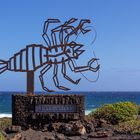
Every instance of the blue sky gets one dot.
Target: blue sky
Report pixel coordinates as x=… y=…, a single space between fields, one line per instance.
x=118 y=42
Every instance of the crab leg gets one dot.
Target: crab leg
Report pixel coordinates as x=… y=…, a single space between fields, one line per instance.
x=84 y=68
x=43 y=71
x=45 y=30
x=66 y=76
x=55 y=79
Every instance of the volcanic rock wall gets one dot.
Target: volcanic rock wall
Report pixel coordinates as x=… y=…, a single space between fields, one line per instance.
x=44 y=109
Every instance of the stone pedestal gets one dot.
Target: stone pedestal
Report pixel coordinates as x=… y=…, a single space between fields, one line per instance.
x=43 y=109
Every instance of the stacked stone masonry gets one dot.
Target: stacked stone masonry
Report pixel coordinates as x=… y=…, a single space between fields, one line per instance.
x=39 y=110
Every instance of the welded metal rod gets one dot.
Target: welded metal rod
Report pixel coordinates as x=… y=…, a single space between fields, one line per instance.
x=30 y=82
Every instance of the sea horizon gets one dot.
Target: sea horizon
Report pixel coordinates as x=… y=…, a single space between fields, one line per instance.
x=92 y=100
x=68 y=91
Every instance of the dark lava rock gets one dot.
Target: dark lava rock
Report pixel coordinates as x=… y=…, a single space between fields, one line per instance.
x=16 y=137
x=45 y=128
x=89 y=127
x=73 y=129
x=74 y=138
x=54 y=127
x=37 y=135
x=66 y=129
x=100 y=134
x=125 y=137
x=13 y=129
x=31 y=134
x=60 y=137
x=49 y=136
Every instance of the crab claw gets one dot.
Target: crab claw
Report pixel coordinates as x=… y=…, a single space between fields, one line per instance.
x=90 y=63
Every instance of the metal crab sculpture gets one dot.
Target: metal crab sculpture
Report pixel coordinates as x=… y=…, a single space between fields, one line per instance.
x=59 y=51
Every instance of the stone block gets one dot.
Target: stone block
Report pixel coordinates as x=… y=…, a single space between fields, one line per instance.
x=39 y=110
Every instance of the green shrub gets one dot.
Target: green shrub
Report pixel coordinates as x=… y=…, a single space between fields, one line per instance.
x=129 y=127
x=139 y=110
x=117 y=112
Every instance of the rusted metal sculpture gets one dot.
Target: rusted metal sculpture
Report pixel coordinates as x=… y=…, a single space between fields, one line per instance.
x=59 y=51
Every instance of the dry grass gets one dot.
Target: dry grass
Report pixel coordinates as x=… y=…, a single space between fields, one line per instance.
x=5 y=122
x=1 y=136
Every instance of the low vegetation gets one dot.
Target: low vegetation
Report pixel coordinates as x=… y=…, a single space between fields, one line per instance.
x=5 y=122
x=117 y=112
x=123 y=116
x=138 y=110
x=1 y=136
x=129 y=127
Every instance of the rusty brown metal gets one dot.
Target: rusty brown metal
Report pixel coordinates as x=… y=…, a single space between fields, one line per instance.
x=30 y=82
x=60 y=51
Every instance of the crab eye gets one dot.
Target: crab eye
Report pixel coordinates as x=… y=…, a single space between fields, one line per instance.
x=68 y=50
